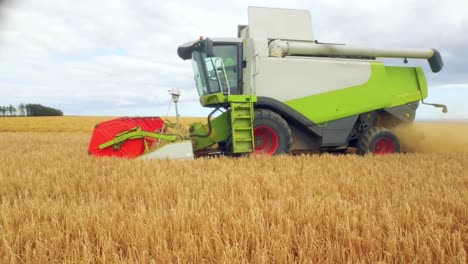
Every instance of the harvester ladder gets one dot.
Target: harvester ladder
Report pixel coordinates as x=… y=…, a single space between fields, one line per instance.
x=242 y=118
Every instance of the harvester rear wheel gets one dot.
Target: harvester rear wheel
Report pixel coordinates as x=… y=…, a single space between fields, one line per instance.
x=272 y=134
x=379 y=141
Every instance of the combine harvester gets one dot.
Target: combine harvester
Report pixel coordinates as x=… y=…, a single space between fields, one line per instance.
x=275 y=89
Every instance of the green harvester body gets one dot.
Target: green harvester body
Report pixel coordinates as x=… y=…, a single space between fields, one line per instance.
x=281 y=91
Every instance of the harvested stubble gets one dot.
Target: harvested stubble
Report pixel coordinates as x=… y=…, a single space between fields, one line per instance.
x=60 y=205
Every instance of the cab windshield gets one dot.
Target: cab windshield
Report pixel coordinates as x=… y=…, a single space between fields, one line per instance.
x=218 y=74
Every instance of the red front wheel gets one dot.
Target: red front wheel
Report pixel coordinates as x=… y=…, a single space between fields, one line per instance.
x=266 y=140
x=271 y=132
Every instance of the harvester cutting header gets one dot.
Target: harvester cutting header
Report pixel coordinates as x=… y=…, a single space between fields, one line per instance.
x=276 y=89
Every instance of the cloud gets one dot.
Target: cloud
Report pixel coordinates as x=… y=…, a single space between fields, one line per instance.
x=101 y=57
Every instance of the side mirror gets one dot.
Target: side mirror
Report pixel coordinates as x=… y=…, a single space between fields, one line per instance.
x=244 y=64
x=208 y=47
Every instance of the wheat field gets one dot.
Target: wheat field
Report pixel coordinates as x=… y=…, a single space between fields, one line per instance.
x=59 y=205
x=67 y=123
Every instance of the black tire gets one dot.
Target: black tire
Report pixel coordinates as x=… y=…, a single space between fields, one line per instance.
x=378 y=140
x=272 y=133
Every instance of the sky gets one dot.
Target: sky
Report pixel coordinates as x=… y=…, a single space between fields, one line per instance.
x=118 y=57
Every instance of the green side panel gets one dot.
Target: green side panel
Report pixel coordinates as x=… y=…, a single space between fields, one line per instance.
x=214 y=99
x=242 y=118
x=405 y=85
x=387 y=87
x=224 y=99
x=219 y=132
x=422 y=82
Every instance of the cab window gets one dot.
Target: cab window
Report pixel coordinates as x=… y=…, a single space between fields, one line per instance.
x=229 y=53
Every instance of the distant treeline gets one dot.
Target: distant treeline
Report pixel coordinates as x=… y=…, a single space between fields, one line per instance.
x=29 y=110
